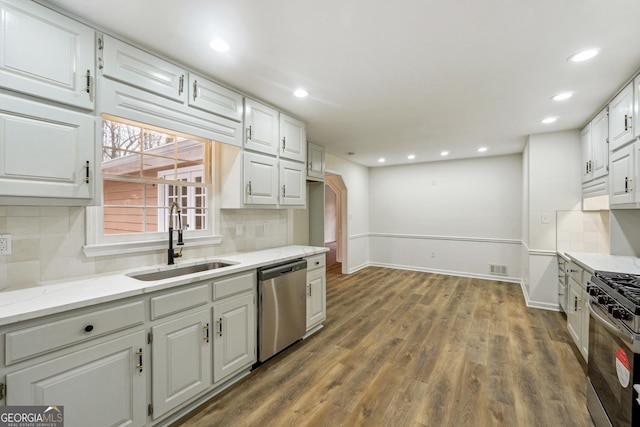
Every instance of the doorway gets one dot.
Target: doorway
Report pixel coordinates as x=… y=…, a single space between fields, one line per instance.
x=335 y=224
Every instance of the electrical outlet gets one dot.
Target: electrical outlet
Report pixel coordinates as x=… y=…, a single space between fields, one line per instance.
x=238 y=229
x=433 y=254
x=265 y=228
x=5 y=244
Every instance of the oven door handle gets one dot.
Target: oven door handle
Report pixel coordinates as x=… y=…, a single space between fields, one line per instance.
x=610 y=326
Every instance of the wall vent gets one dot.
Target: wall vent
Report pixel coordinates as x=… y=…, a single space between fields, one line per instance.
x=500 y=270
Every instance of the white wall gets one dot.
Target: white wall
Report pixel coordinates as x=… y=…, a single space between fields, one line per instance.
x=47 y=243
x=553 y=163
x=454 y=216
x=356 y=179
x=625 y=232
x=554 y=183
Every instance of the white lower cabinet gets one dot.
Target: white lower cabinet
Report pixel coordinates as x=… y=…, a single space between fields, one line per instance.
x=577 y=308
x=234 y=338
x=97 y=385
x=181 y=357
x=316 y=291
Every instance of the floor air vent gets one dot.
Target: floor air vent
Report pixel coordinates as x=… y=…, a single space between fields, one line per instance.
x=500 y=270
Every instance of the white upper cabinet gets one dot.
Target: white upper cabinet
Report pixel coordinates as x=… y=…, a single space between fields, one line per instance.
x=260 y=179
x=45 y=54
x=128 y=64
x=209 y=96
x=261 y=125
x=293 y=180
x=600 y=144
x=585 y=149
x=621 y=118
x=622 y=176
x=315 y=162
x=45 y=150
x=293 y=139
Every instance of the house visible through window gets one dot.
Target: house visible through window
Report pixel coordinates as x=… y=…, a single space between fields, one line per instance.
x=144 y=170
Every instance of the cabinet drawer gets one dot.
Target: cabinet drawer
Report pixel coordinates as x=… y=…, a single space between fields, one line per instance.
x=29 y=342
x=317 y=261
x=174 y=302
x=231 y=285
x=575 y=272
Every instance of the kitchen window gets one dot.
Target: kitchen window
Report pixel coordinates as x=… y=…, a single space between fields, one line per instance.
x=144 y=169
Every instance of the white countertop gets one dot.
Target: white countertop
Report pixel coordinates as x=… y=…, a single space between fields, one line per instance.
x=605 y=262
x=54 y=298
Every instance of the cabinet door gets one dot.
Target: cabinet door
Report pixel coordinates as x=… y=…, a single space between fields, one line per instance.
x=261 y=124
x=583 y=307
x=621 y=176
x=209 y=96
x=105 y=381
x=234 y=341
x=293 y=139
x=260 y=179
x=128 y=64
x=46 y=54
x=585 y=148
x=574 y=319
x=621 y=118
x=293 y=184
x=315 y=162
x=600 y=144
x=181 y=352
x=44 y=150
x=316 y=297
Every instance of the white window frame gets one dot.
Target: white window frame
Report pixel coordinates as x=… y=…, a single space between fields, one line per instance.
x=99 y=244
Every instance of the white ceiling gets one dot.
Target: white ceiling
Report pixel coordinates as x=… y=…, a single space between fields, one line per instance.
x=389 y=78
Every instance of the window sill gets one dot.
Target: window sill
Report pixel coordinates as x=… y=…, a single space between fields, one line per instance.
x=136 y=247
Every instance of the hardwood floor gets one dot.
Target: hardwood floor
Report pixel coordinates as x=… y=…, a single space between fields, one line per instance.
x=403 y=348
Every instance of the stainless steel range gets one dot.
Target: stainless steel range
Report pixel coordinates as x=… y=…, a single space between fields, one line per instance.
x=613 y=394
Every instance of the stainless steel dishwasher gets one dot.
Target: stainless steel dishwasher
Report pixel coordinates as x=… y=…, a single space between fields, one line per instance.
x=282 y=308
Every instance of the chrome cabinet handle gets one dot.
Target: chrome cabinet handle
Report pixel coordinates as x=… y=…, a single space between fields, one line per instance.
x=206 y=332
x=86 y=167
x=181 y=85
x=249 y=132
x=249 y=191
x=284 y=142
x=219 y=322
x=195 y=89
x=139 y=364
x=88 y=87
x=627 y=118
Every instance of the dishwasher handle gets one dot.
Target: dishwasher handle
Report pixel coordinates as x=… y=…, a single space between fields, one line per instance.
x=277 y=270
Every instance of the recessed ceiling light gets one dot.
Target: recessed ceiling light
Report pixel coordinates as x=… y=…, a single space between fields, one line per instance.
x=548 y=120
x=411 y=156
x=562 y=96
x=444 y=153
x=300 y=93
x=219 y=45
x=482 y=149
x=584 y=55
x=381 y=160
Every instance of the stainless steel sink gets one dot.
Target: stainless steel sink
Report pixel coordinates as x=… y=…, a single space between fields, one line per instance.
x=180 y=271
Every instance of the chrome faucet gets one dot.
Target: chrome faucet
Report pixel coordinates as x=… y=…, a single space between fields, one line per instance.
x=171 y=253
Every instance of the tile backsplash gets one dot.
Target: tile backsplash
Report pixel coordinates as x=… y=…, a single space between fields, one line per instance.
x=582 y=231
x=47 y=243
